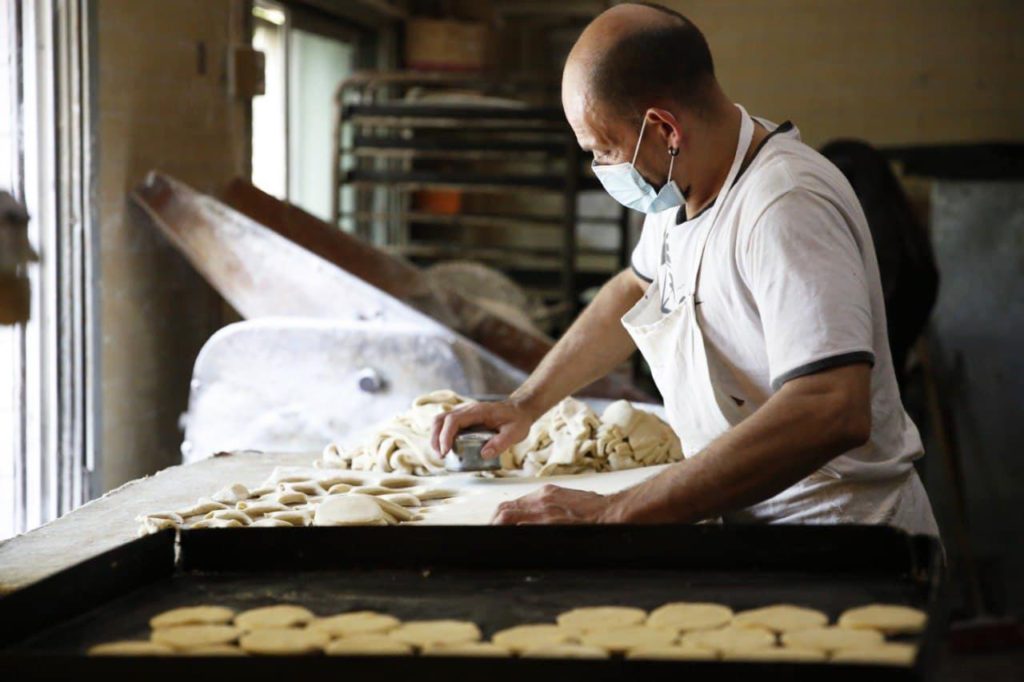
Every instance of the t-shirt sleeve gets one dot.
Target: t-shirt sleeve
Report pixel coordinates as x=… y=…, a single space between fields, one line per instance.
x=647 y=252
x=806 y=273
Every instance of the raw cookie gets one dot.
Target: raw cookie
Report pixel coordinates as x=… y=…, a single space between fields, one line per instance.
x=472 y=649
x=781 y=618
x=688 y=616
x=278 y=616
x=832 y=639
x=355 y=623
x=891 y=619
x=892 y=653
x=424 y=633
x=729 y=639
x=192 y=615
x=525 y=637
x=601 y=618
x=778 y=653
x=568 y=650
x=619 y=640
x=674 y=652
x=349 y=510
x=368 y=645
x=191 y=636
x=128 y=648
x=284 y=641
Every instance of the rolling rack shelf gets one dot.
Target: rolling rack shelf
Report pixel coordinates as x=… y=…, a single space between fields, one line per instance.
x=388 y=148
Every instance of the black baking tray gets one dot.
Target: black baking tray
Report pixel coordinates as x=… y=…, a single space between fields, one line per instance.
x=494 y=576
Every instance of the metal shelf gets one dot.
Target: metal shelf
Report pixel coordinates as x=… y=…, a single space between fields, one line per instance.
x=470 y=181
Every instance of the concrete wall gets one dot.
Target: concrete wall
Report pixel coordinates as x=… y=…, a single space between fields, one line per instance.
x=888 y=71
x=161 y=105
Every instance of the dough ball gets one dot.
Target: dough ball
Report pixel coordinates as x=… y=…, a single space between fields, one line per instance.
x=781 y=618
x=192 y=615
x=349 y=510
x=778 y=653
x=892 y=653
x=284 y=641
x=424 y=633
x=619 y=640
x=688 y=616
x=368 y=645
x=526 y=637
x=568 y=650
x=278 y=616
x=192 y=636
x=128 y=648
x=832 y=639
x=891 y=619
x=471 y=649
x=355 y=623
x=601 y=618
x=729 y=639
x=676 y=652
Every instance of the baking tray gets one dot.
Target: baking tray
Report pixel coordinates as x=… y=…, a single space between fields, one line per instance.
x=494 y=576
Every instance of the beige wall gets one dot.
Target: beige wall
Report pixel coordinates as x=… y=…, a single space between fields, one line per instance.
x=157 y=111
x=892 y=72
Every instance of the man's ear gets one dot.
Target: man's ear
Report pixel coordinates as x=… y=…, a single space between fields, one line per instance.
x=667 y=127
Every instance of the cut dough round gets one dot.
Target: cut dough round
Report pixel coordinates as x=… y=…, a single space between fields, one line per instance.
x=191 y=636
x=356 y=623
x=215 y=650
x=601 y=618
x=729 y=639
x=472 y=649
x=526 y=637
x=284 y=641
x=676 y=652
x=689 y=616
x=892 y=653
x=424 y=633
x=278 y=616
x=619 y=640
x=891 y=619
x=128 y=648
x=832 y=639
x=778 y=653
x=368 y=645
x=566 y=651
x=352 y=509
x=781 y=618
x=192 y=615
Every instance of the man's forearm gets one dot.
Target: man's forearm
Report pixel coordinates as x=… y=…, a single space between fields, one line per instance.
x=593 y=346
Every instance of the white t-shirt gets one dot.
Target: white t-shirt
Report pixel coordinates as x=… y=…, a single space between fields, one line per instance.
x=789 y=286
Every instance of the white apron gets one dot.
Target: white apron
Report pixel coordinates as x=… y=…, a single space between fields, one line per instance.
x=699 y=412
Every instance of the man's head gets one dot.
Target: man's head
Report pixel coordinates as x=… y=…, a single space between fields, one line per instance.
x=637 y=62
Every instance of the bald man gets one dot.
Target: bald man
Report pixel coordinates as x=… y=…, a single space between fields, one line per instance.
x=754 y=296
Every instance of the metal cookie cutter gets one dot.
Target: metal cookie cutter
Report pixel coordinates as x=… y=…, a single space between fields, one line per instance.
x=465 y=453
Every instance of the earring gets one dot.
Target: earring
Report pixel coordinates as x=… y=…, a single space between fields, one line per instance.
x=673 y=151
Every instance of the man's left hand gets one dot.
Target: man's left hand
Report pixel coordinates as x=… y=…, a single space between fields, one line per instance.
x=553 y=505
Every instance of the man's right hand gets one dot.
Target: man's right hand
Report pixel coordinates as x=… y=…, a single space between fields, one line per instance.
x=511 y=422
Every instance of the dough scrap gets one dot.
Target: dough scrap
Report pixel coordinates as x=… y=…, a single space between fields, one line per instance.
x=729 y=639
x=398 y=482
x=601 y=618
x=218 y=523
x=271 y=523
x=891 y=619
x=470 y=649
x=424 y=633
x=289 y=497
x=428 y=494
x=402 y=499
x=781 y=618
x=689 y=616
x=231 y=494
x=673 y=652
x=368 y=645
x=568 y=650
x=216 y=650
x=284 y=641
x=203 y=505
x=277 y=616
x=892 y=653
x=256 y=509
x=779 y=653
x=339 y=488
x=349 y=510
x=355 y=623
x=191 y=636
x=527 y=637
x=831 y=639
x=230 y=515
x=192 y=615
x=620 y=640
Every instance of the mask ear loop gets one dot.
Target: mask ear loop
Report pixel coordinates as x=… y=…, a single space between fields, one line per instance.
x=640 y=139
x=673 y=152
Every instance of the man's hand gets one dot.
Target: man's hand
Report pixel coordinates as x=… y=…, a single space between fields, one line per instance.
x=553 y=505
x=511 y=420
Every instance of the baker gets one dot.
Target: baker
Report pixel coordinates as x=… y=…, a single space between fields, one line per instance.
x=754 y=296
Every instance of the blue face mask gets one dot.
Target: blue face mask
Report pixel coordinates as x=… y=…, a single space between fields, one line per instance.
x=625 y=184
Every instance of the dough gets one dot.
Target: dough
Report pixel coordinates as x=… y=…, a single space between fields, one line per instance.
x=129 y=648
x=399 y=482
x=395 y=510
x=620 y=640
x=332 y=481
x=427 y=494
x=566 y=651
x=402 y=499
x=349 y=510
x=892 y=653
x=294 y=517
x=472 y=649
x=230 y=515
x=525 y=637
x=216 y=650
x=676 y=652
x=282 y=641
x=832 y=639
x=339 y=488
x=218 y=523
x=424 y=633
x=368 y=645
x=729 y=639
x=781 y=618
x=191 y=636
x=278 y=616
x=202 y=506
x=890 y=619
x=271 y=523
x=231 y=494
x=688 y=616
x=256 y=509
x=601 y=618
x=776 y=654
x=289 y=497
x=155 y=524
x=192 y=615
x=310 y=488
x=371 y=490
x=356 y=623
